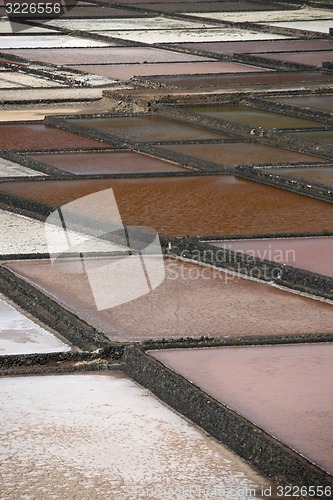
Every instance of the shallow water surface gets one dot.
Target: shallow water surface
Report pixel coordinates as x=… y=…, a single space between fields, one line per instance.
x=197 y=205
x=147 y=129
x=246 y=115
x=108 y=162
x=311 y=254
x=285 y=390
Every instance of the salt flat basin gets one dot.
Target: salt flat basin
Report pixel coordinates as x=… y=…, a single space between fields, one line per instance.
x=272 y=78
x=26 y=236
x=319 y=26
x=50 y=41
x=286 y=390
x=191 y=35
x=116 y=24
x=106 y=437
x=15 y=79
x=305 y=13
x=11 y=169
x=21 y=335
x=315 y=58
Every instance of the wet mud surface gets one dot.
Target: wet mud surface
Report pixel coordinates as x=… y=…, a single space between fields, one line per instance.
x=192 y=206
x=40 y=136
x=193 y=301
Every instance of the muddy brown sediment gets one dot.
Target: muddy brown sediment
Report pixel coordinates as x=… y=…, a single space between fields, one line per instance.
x=207 y=205
x=39 y=136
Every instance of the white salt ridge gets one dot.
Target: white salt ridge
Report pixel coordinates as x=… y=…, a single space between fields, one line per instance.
x=38 y=113
x=65 y=93
x=114 y=24
x=103 y=436
x=20 y=335
x=193 y=35
x=26 y=236
x=317 y=26
x=266 y=16
x=7 y=27
x=10 y=169
x=5 y=84
x=16 y=79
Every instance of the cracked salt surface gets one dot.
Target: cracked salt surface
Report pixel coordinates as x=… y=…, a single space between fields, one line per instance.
x=20 y=335
x=103 y=436
x=192 y=301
